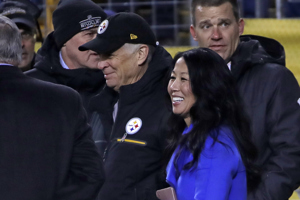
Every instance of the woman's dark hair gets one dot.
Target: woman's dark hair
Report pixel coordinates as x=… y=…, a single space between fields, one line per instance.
x=217 y=103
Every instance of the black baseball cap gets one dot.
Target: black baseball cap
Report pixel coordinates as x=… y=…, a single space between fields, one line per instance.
x=119 y=29
x=21 y=12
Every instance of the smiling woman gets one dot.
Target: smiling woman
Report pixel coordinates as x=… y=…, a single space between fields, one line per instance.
x=180 y=91
x=212 y=154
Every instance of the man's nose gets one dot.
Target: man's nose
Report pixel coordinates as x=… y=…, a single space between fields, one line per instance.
x=102 y=64
x=216 y=34
x=22 y=43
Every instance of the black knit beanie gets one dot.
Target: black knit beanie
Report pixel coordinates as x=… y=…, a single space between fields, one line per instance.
x=73 y=16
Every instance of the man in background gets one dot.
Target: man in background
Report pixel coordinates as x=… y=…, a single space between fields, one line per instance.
x=270 y=92
x=59 y=60
x=46 y=147
x=25 y=14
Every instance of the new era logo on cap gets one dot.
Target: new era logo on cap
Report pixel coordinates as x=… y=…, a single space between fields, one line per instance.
x=132 y=36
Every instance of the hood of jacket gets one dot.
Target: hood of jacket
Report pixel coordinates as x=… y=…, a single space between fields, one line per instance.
x=47 y=61
x=255 y=50
x=155 y=79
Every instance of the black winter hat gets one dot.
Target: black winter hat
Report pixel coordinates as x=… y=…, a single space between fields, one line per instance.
x=119 y=29
x=73 y=16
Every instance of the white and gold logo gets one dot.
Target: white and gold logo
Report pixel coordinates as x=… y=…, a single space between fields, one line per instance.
x=133 y=126
x=103 y=26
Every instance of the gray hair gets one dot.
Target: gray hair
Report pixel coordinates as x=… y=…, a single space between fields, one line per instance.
x=10 y=42
x=134 y=47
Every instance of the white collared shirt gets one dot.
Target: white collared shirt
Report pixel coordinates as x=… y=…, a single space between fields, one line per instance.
x=229 y=65
x=6 y=64
x=62 y=62
x=115 y=111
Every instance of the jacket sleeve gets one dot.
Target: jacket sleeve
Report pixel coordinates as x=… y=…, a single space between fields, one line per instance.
x=281 y=173
x=216 y=170
x=86 y=173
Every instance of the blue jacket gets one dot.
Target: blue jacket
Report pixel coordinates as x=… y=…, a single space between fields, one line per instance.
x=220 y=173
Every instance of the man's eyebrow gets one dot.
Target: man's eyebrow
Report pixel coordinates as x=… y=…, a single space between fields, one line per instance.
x=206 y=21
x=224 y=20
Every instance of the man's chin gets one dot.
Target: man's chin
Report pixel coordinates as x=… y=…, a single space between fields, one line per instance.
x=23 y=64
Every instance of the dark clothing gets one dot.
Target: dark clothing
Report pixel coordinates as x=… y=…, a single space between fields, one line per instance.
x=134 y=166
x=86 y=82
x=270 y=92
x=46 y=148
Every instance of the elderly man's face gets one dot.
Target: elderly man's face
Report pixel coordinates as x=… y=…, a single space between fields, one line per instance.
x=28 y=42
x=80 y=59
x=121 y=67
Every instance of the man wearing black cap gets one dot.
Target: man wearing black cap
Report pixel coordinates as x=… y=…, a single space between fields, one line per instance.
x=24 y=14
x=132 y=107
x=59 y=60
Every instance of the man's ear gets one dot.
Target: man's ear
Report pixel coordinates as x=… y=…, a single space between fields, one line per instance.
x=241 y=24
x=193 y=32
x=143 y=54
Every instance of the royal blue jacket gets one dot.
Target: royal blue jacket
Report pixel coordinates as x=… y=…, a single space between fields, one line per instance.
x=220 y=173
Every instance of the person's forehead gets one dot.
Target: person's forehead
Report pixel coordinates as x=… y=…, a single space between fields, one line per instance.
x=181 y=66
x=123 y=50
x=224 y=11
x=90 y=30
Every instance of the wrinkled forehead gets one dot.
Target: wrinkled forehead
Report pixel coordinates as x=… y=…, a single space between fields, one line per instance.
x=222 y=12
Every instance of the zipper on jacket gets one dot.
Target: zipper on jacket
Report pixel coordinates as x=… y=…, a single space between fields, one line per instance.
x=138 y=142
x=123 y=140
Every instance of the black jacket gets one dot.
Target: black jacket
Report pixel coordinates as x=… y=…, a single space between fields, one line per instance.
x=46 y=148
x=86 y=82
x=133 y=167
x=270 y=92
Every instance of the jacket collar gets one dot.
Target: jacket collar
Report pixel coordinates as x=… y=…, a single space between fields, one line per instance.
x=7 y=70
x=255 y=50
x=80 y=79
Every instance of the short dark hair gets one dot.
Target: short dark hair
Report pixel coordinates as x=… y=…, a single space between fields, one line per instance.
x=209 y=3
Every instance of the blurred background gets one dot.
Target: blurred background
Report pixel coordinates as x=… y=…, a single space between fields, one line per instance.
x=170 y=21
